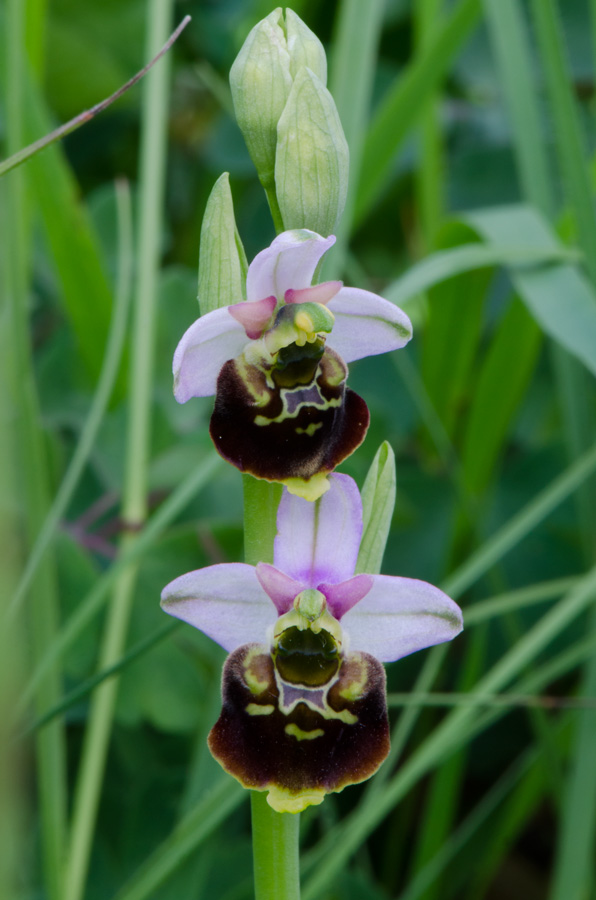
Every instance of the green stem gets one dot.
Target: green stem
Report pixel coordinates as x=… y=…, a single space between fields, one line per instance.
x=275 y=836
x=274 y=207
x=261 y=499
x=275 y=840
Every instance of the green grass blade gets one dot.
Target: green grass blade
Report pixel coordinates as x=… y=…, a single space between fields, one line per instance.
x=429 y=183
x=479 y=562
x=574 y=863
x=353 y=58
x=89 y=684
x=400 y=109
x=74 y=246
x=197 y=825
x=573 y=323
x=499 y=390
x=570 y=141
x=112 y=359
x=134 y=503
x=34 y=42
x=508 y=31
x=517 y=599
x=30 y=452
x=574 y=866
x=96 y=598
x=455 y=319
x=443 y=795
x=524 y=770
x=445 y=264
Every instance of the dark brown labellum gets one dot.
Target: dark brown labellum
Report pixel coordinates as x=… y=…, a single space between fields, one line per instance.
x=294 y=421
x=297 y=742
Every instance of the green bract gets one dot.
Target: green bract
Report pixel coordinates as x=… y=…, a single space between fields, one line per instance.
x=222 y=260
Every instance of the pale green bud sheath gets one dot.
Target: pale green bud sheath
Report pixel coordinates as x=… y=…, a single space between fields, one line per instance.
x=312 y=158
x=304 y=47
x=260 y=80
x=222 y=260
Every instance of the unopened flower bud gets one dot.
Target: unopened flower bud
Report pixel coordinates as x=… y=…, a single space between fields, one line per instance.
x=304 y=47
x=261 y=78
x=312 y=160
x=222 y=260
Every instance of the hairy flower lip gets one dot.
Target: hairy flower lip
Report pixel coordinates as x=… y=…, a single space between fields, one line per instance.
x=316 y=547
x=365 y=323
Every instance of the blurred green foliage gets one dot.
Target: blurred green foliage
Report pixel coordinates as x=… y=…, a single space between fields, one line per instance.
x=483 y=410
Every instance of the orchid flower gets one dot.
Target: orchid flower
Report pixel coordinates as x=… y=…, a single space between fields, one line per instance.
x=282 y=409
x=304 y=707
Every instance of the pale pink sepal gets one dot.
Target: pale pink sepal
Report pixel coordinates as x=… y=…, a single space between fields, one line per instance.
x=202 y=351
x=318 y=293
x=401 y=615
x=366 y=324
x=289 y=262
x=281 y=589
x=253 y=315
x=226 y=602
x=342 y=597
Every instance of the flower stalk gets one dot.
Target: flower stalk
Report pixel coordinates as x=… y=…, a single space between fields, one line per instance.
x=275 y=843
x=275 y=836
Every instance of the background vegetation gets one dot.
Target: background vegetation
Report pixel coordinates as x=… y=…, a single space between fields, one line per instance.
x=471 y=128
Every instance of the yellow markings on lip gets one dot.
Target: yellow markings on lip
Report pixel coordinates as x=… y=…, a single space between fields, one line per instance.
x=314 y=426
x=254 y=684
x=356 y=688
x=254 y=709
x=300 y=735
x=334 y=403
x=344 y=715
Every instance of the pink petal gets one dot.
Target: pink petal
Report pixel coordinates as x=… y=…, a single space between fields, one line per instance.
x=399 y=616
x=282 y=589
x=226 y=602
x=202 y=351
x=366 y=324
x=289 y=262
x=318 y=542
x=342 y=597
x=253 y=315
x=318 y=293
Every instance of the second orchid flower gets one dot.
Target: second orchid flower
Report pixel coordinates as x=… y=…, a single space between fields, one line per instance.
x=304 y=709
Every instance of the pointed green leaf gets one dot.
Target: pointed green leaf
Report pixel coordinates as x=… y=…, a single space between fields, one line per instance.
x=222 y=260
x=378 y=500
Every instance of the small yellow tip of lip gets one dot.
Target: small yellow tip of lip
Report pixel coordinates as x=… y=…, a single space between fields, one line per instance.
x=312 y=489
x=283 y=801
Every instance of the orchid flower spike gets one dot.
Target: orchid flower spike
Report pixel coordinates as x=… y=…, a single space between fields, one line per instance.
x=282 y=409
x=304 y=706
